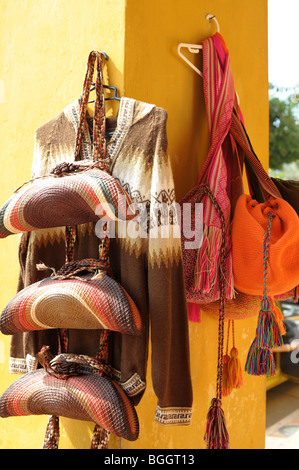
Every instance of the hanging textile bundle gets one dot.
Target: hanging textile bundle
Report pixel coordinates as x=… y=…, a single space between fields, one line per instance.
x=236 y=151
x=201 y=266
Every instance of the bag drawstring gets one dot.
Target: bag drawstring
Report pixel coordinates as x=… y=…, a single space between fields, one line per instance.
x=216 y=434
x=260 y=360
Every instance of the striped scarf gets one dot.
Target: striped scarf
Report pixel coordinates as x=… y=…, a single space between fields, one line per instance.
x=219 y=95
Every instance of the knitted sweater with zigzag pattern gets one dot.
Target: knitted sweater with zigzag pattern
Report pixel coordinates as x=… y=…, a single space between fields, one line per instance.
x=147 y=263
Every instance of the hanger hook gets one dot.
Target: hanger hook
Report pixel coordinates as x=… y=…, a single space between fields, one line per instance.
x=210 y=17
x=104 y=55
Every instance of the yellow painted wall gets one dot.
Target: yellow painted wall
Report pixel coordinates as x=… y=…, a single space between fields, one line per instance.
x=155 y=73
x=43 y=55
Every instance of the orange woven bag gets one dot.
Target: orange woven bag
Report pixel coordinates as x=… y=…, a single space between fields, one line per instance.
x=265 y=239
x=248 y=229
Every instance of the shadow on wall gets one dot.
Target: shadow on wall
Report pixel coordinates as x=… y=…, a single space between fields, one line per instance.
x=79 y=433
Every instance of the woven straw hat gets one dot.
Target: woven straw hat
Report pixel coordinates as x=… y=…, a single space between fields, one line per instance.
x=89 y=397
x=72 y=199
x=74 y=303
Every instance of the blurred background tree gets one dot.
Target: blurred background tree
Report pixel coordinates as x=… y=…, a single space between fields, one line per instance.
x=284 y=132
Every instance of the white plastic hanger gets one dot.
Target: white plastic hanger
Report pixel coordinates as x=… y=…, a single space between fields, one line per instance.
x=195 y=48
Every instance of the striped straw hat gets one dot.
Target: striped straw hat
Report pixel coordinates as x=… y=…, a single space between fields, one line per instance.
x=65 y=198
x=88 y=397
x=71 y=299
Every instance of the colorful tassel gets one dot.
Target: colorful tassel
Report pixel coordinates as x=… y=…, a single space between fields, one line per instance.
x=235 y=375
x=216 y=436
x=234 y=366
x=268 y=332
x=226 y=384
x=279 y=318
x=260 y=361
x=232 y=370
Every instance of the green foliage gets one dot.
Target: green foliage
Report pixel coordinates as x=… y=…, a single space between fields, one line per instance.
x=284 y=129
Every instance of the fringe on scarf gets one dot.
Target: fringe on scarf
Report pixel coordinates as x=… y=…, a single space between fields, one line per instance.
x=207 y=271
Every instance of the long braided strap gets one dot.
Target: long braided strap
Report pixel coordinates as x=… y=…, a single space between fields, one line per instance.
x=222 y=286
x=99 y=154
x=257 y=175
x=100 y=438
x=216 y=435
x=65 y=364
x=51 y=439
x=266 y=245
x=268 y=332
x=99 y=120
x=52 y=433
x=99 y=144
x=75 y=268
x=66 y=169
x=205 y=190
